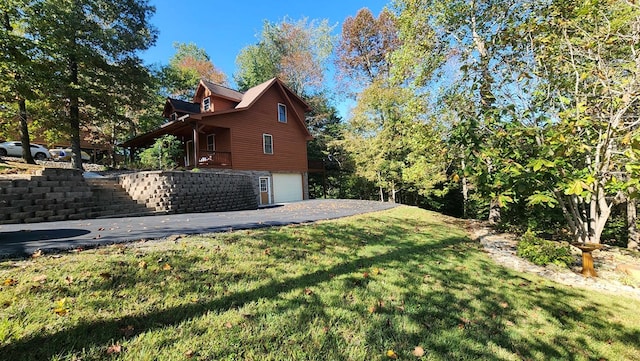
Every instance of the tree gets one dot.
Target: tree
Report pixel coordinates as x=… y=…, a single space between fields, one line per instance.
x=391 y=143
x=296 y=52
x=17 y=68
x=187 y=66
x=163 y=154
x=365 y=45
x=91 y=47
x=586 y=54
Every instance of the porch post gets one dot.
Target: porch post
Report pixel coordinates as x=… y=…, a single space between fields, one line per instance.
x=196 y=144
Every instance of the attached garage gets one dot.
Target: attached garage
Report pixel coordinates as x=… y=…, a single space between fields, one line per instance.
x=287 y=187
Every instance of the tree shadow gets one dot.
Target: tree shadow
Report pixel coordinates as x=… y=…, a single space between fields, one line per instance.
x=452 y=291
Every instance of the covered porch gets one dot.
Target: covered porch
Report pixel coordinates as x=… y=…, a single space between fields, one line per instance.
x=204 y=145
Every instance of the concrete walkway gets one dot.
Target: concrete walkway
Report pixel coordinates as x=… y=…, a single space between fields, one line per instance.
x=24 y=239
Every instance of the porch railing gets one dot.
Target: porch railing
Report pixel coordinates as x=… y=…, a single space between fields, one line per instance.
x=214 y=158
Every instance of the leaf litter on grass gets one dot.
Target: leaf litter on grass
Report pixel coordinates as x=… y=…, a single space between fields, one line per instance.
x=304 y=299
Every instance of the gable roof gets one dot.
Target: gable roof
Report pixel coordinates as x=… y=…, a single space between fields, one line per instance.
x=185 y=107
x=256 y=92
x=245 y=100
x=222 y=91
x=253 y=94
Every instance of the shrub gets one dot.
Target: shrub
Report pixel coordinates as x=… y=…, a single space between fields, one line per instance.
x=542 y=252
x=163 y=154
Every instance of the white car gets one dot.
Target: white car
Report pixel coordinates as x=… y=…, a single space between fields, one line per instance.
x=14 y=149
x=64 y=155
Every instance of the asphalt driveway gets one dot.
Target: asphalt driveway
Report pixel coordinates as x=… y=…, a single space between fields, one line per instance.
x=22 y=239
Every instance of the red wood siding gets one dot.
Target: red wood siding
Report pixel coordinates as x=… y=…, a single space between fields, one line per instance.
x=219 y=104
x=248 y=126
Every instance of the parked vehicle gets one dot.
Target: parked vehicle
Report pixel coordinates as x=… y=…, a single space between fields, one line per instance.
x=64 y=154
x=14 y=149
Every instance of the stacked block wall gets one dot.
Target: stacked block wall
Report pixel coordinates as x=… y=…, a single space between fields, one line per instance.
x=186 y=192
x=49 y=195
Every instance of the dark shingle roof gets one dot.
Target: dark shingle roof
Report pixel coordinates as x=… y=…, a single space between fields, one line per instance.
x=185 y=107
x=222 y=91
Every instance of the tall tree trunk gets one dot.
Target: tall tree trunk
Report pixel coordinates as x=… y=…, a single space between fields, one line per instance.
x=24 y=133
x=487 y=99
x=632 y=228
x=74 y=115
x=22 y=103
x=465 y=192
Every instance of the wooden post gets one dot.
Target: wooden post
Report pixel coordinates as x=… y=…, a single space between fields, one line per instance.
x=196 y=144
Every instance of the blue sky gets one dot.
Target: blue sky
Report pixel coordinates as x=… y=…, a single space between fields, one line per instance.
x=222 y=28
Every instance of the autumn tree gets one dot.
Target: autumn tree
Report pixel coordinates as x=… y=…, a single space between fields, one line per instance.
x=297 y=52
x=187 y=66
x=365 y=45
x=90 y=48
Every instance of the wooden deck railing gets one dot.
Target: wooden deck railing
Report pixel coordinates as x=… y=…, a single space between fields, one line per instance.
x=214 y=158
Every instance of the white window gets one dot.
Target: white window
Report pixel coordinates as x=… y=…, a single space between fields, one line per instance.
x=173 y=116
x=211 y=142
x=282 y=113
x=206 y=104
x=267 y=143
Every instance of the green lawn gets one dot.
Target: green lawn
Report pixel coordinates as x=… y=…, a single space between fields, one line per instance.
x=371 y=287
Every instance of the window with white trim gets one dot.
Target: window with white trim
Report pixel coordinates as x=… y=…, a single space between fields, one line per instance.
x=267 y=143
x=206 y=104
x=173 y=116
x=282 y=113
x=211 y=142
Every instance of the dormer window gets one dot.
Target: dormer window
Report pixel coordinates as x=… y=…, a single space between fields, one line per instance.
x=282 y=113
x=206 y=104
x=173 y=116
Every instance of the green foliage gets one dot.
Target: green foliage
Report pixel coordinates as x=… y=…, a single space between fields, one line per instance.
x=163 y=154
x=543 y=252
x=296 y=52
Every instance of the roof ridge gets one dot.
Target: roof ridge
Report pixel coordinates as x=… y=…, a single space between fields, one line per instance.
x=220 y=85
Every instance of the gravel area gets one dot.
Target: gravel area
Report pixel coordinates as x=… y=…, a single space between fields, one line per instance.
x=501 y=248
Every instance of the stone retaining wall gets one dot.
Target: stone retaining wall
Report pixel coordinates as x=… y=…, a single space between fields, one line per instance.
x=184 y=192
x=49 y=195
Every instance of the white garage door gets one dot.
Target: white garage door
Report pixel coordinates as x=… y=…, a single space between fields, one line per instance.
x=287 y=187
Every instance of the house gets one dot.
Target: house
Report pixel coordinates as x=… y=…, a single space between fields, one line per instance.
x=261 y=133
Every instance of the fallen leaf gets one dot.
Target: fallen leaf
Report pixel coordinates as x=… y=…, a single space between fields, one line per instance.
x=365 y=275
x=68 y=280
x=228 y=325
x=375 y=271
x=128 y=330
x=504 y=305
x=189 y=354
x=101 y=229
x=36 y=254
x=10 y=282
x=418 y=351
x=392 y=354
x=267 y=251
x=60 y=307
x=40 y=278
x=308 y=292
x=167 y=267
x=114 y=349
x=372 y=309
x=142 y=264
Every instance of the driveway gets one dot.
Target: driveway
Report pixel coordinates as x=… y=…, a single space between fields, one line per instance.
x=22 y=239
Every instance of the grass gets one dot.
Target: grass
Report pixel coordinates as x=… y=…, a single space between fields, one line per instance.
x=360 y=288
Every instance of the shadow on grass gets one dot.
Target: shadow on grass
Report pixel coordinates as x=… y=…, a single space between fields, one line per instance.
x=450 y=289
